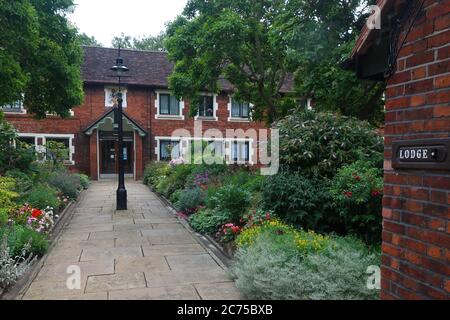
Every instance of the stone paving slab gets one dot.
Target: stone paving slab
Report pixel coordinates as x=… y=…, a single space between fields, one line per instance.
x=161 y=293
x=143 y=253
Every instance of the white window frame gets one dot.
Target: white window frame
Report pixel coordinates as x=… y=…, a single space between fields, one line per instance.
x=44 y=136
x=158 y=145
x=215 y=108
x=233 y=119
x=227 y=147
x=7 y=110
x=168 y=116
x=108 y=92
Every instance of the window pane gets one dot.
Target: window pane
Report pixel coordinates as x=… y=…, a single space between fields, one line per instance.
x=65 y=142
x=235 y=109
x=247 y=152
x=174 y=106
x=169 y=150
x=209 y=106
x=164 y=104
x=245 y=110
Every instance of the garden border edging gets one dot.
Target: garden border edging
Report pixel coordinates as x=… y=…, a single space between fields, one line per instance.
x=19 y=289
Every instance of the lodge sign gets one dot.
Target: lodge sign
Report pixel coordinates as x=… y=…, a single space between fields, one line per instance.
x=421 y=154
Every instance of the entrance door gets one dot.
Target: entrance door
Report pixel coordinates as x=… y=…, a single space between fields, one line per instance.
x=109 y=152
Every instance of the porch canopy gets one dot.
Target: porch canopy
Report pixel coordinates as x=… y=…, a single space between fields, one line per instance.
x=108 y=121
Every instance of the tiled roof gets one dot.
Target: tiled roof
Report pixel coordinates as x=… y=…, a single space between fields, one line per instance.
x=147 y=68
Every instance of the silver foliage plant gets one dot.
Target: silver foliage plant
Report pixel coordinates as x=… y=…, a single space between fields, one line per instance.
x=11 y=268
x=264 y=271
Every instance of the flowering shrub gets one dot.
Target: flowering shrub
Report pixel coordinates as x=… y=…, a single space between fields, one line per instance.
x=357 y=192
x=41 y=221
x=208 y=221
x=228 y=233
x=177 y=162
x=256 y=217
x=303 y=241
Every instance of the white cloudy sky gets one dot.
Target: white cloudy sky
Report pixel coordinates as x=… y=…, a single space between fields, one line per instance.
x=105 y=19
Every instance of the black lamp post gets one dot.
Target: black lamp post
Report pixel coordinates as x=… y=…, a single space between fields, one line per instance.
x=121 y=201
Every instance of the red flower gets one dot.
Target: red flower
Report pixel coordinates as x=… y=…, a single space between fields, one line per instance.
x=376 y=193
x=267 y=216
x=35 y=213
x=348 y=194
x=357 y=178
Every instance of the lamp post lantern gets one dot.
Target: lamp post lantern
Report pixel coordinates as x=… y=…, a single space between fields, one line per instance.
x=120 y=69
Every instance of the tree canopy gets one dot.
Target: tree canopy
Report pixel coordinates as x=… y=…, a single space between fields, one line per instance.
x=86 y=40
x=234 y=39
x=257 y=44
x=153 y=43
x=323 y=36
x=40 y=56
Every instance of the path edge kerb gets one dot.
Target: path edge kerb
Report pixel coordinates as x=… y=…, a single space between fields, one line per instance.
x=20 y=288
x=213 y=248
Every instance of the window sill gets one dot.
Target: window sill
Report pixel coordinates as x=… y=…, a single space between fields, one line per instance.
x=11 y=111
x=238 y=120
x=169 y=117
x=206 y=118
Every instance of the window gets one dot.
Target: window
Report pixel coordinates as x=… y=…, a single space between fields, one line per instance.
x=65 y=141
x=169 y=105
x=169 y=150
x=215 y=148
x=112 y=95
x=16 y=107
x=240 y=152
x=206 y=107
x=240 y=109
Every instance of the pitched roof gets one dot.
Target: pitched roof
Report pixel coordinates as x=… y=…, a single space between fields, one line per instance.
x=388 y=11
x=147 y=68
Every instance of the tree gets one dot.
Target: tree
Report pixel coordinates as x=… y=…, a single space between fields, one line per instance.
x=40 y=56
x=86 y=40
x=234 y=39
x=144 y=43
x=323 y=37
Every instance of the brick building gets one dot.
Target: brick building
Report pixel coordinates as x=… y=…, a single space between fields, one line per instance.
x=151 y=115
x=411 y=52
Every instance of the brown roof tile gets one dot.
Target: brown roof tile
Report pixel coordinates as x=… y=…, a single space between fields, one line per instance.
x=147 y=68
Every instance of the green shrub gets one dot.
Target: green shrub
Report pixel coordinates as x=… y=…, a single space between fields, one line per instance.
x=357 y=192
x=271 y=269
x=321 y=143
x=247 y=180
x=20 y=236
x=7 y=192
x=208 y=221
x=3 y=216
x=84 y=181
x=189 y=200
x=174 y=197
x=299 y=200
x=69 y=184
x=43 y=196
x=231 y=200
x=24 y=182
x=153 y=172
x=175 y=179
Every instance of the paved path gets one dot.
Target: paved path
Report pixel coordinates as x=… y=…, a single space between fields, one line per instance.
x=142 y=253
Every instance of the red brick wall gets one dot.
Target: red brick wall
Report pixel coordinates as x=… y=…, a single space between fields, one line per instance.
x=416 y=236
x=140 y=107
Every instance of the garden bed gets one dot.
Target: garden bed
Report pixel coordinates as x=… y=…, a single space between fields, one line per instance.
x=22 y=285
x=312 y=231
